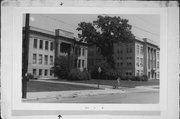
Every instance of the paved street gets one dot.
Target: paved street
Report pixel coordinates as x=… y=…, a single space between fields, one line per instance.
x=135 y=95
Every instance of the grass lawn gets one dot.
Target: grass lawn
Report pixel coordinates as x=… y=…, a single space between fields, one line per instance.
x=35 y=86
x=129 y=84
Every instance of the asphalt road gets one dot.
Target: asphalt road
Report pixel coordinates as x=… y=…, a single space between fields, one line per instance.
x=132 y=96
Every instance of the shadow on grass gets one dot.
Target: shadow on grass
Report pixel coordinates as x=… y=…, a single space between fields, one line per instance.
x=35 y=86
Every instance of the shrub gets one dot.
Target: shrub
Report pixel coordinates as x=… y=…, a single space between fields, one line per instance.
x=135 y=78
x=145 y=78
x=61 y=67
x=107 y=72
x=76 y=74
x=29 y=76
x=126 y=77
x=132 y=78
x=139 y=78
x=113 y=74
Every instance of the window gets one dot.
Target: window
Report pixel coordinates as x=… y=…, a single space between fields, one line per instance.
x=46 y=59
x=137 y=49
x=130 y=58
x=52 y=46
x=40 y=58
x=141 y=62
x=40 y=72
x=83 y=51
x=121 y=64
x=46 y=45
x=157 y=74
x=79 y=51
x=34 y=58
x=51 y=72
x=45 y=72
x=75 y=62
x=51 y=60
x=130 y=73
x=158 y=55
x=158 y=65
x=79 y=63
x=137 y=62
x=82 y=63
x=127 y=73
x=141 y=50
x=129 y=63
x=35 y=43
x=137 y=72
x=34 y=71
x=41 y=44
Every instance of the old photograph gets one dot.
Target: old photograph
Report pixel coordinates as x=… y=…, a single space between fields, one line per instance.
x=98 y=60
x=91 y=58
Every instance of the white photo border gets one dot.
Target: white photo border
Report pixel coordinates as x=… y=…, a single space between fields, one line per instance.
x=17 y=34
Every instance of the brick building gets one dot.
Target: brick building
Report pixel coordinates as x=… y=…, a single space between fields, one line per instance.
x=138 y=58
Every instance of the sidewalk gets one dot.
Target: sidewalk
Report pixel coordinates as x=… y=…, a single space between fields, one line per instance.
x=153 y=87
x=70 y=94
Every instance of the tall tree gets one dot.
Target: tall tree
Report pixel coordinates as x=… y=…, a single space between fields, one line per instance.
x=103 y=32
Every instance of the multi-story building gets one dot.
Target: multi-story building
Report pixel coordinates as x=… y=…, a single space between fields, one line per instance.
x=45 y=46
x=137 y=58
x=151 y=60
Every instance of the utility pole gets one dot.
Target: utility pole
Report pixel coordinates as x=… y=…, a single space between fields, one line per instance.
x=25 y=57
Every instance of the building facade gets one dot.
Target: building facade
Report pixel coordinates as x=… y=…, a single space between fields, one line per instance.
x=138 y=58
x=45 y=47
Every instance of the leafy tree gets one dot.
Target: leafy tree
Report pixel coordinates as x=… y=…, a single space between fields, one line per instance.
x=103 y=32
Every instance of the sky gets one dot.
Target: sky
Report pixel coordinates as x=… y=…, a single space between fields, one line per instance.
x=143 y=26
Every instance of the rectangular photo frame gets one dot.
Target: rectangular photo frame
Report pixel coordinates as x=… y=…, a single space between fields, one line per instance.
x=20 y=108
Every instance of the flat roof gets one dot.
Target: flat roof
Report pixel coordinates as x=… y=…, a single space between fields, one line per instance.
x=42 y=30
